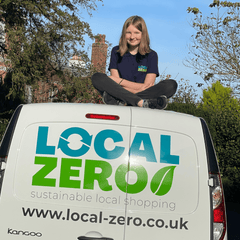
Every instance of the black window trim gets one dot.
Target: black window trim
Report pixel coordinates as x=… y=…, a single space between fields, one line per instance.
x=7 y=137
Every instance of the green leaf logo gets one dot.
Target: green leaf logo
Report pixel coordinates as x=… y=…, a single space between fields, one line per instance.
x=162 y=181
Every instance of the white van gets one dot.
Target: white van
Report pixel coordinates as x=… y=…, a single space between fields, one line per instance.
x=90 y=172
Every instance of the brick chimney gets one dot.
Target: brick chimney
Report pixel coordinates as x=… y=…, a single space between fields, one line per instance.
x=99 y=53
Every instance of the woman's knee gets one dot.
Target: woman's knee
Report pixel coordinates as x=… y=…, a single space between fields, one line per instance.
x=168 y=86
x=172 y=87
x=173 y=83
x=97 y=78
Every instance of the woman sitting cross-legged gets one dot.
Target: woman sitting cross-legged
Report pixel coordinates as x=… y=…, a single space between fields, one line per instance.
x=134 y=68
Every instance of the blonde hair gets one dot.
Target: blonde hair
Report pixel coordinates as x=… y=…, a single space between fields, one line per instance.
x=139 y=23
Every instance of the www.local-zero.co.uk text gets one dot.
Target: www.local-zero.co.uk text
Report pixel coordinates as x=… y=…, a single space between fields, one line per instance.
x=100 y=218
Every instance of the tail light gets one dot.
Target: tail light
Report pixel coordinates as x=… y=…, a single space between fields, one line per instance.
x=219 y=215
x=102 y=116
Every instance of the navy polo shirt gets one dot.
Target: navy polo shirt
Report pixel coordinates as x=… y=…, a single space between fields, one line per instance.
x=134 y=67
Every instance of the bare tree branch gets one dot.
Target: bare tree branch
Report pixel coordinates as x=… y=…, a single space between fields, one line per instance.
x=214 y=52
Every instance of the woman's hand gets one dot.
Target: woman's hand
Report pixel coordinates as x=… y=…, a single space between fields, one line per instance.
x=133 y=86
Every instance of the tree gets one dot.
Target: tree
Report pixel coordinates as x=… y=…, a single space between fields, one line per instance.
x=77 y=90
x=7 y=107
x=185 y=99
x=41 y=35
x=215 y=48
x=221 y=110
x=219 y=97
x=222 y=113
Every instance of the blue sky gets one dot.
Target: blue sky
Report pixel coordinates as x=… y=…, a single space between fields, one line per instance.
x=168 y=24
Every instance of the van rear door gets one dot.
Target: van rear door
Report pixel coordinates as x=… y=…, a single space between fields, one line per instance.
x=67 y=167
x=167 y=199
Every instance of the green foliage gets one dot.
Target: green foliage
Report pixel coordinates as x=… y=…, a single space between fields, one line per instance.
x=193 y=10
x=224 y=118
x=41 y=36
x=78 y=90
x=8 y=103
x=227 y=141
x=219 y=97
x=225 y=130
x=37 y=38
x=231 y=190
x=221 y=111
x=214 y=52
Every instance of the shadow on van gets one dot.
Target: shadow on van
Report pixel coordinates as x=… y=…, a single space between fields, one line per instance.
x=233 y=216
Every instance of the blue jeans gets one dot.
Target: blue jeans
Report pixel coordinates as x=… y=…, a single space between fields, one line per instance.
x=103 y=83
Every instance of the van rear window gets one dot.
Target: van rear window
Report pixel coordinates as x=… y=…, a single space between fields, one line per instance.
x=113 y=166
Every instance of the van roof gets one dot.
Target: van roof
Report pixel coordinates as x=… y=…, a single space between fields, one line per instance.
x=69 y=112
x=128 y=115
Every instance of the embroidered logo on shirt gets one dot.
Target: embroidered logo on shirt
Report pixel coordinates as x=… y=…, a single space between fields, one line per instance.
x=142 y=69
